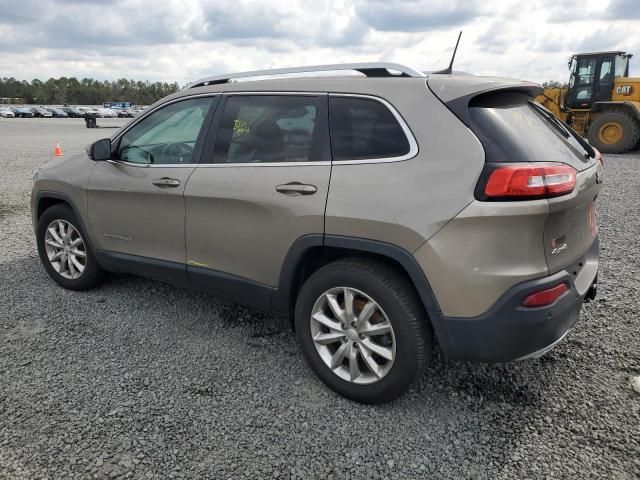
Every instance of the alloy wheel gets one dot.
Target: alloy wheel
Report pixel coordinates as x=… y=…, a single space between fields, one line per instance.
x=65 y=249
x=353 y=335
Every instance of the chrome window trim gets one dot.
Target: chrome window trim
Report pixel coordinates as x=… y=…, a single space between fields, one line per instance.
x=413 y=144
x=264 y=164
x=151 y=165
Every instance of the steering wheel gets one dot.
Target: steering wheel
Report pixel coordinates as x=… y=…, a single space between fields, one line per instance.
x=176 y=153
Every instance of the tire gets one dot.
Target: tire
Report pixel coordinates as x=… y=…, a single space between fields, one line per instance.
x=64 y=274
x=615 y=121
x=410 y=338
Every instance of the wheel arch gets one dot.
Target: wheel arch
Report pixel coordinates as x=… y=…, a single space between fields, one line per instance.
x=45 y=202
x=46 y=199
x=311 y=252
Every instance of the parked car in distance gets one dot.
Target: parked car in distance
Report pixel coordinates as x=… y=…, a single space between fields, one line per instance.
x=73 y=112
x=23 y=112
x=125 y=113
x=88 y=110
x=107 y=113
x=57 y=112
x=379 y=215
x=6 y=112
x=41 y=112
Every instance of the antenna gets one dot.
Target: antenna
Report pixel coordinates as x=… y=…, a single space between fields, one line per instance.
x=449 y=69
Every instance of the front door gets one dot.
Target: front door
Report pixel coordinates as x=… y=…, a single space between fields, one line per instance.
x=264 y=186
x=582 y=82
x=606 y=75
x=136 y=200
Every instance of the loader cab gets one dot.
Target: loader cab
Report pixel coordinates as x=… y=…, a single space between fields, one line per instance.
x=592 y=76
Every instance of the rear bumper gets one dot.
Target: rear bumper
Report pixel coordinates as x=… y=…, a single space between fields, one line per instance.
x=509 y=331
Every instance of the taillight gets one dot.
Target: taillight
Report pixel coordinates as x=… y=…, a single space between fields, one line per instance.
x=530 y=181
x=545 y=297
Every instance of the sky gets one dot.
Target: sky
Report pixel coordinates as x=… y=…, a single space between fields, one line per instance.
x=183 y=40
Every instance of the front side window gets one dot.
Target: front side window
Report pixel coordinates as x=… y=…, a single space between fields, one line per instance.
x=266 y=129
x=166 y=136
x=363 y=128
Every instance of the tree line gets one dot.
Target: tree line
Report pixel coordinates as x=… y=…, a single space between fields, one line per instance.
x=554 y=84
x=86 y=91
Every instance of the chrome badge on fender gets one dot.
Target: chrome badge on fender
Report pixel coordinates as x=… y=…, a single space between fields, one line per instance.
x=558 y=245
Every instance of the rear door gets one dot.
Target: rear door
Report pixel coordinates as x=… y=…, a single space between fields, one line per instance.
x=263 y=185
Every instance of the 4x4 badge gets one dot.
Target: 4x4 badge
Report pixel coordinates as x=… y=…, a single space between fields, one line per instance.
x=558 y=245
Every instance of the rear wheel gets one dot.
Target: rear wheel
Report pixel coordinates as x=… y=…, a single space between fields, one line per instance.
x=615 y=131
x=64 y=251
x=362 y=330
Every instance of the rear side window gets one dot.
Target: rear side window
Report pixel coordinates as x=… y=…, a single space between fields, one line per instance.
x=513 y=129
x=363 y=128
x=266 y=129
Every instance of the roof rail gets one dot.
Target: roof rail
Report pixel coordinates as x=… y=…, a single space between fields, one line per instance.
x=370 y=69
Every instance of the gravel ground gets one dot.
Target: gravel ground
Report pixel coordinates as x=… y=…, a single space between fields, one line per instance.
x=138 y=379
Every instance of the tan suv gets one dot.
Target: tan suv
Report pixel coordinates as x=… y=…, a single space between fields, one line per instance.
x=380 y=208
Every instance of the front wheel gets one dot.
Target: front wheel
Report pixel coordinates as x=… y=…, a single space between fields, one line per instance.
x=64 y=251
x=362 y=330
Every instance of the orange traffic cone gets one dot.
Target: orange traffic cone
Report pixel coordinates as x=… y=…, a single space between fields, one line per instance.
x=57 y=151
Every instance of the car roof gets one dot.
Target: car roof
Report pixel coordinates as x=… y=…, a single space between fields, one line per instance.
x=447 y=87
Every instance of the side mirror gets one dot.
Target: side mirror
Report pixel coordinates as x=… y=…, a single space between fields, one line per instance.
x=100 y=150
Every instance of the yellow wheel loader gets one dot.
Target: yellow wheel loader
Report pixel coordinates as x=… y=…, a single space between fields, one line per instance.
x=601 y=102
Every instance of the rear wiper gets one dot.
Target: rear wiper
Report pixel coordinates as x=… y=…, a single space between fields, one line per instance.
x=589 y=153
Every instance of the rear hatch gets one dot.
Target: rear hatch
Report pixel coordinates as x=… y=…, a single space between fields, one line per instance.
x=517 y=132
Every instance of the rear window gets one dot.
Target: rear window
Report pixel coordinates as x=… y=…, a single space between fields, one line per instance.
x=363 y=128
x=514 y=129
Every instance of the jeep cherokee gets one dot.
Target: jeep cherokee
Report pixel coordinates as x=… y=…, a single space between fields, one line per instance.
x=380 y=208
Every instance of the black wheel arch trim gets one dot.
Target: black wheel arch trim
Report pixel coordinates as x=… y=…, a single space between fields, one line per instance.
x=43 y=194
x=281 y=299
x=398 y=254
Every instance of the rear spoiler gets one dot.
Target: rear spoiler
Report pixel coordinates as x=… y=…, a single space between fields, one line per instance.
x=457 y=91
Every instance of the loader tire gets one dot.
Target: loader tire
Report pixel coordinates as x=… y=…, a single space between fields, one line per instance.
x=615 y=131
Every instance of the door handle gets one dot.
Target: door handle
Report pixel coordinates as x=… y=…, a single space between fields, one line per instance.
x=166 y=182
x=296 y=188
